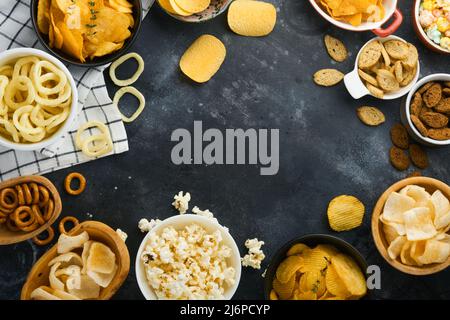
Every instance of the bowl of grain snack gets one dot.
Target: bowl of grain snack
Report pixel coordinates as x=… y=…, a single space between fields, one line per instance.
x=38 y=99
x=188 y=257
x=385 y=68
x=426 y=110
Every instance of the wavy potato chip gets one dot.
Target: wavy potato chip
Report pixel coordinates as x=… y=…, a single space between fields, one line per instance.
x=288 y=268
x=297 y=248
x=284 y=290
x=203 y=58
x=345 y=213
x=314 y=260
x=43 y=19
x=252 y=18
x=313 y=281
x=334 y=283
x=273 y=295
x=350 y=274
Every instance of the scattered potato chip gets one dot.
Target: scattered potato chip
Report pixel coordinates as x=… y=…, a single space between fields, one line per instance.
x=252 y=18
x=345 y=213
x=203 y=58
x=328 y=77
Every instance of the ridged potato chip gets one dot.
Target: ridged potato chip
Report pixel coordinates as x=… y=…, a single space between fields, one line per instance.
x=203 y=58
x=314 y=260
x=345 y=213
x=334 y=284
x=297 y=248
x=273 y=295
x=284 y=290
x=351 y=275
x=313 y=281
x=288 y=268
x=43 y=19
x=252 y=18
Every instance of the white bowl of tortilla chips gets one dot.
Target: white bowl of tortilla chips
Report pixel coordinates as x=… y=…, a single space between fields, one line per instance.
x=410 y=225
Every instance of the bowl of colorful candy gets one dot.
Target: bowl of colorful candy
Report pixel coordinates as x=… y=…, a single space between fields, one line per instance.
x=432 y=24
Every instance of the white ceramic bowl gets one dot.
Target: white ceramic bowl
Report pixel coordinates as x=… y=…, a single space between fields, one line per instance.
x=178 y=222
x=13 y=54
x=356 y=87
x=406 y=115
x=390 y=7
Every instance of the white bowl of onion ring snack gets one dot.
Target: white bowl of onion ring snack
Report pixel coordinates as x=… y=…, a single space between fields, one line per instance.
x=38 y=99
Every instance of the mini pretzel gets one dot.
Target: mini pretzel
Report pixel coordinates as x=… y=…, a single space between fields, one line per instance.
x=31 y=227
x=37 y=214
x=49 y=208
x=27 y=194
x=11 y=195
x=44 y=195
x=45 y=241
x=20 y=195
x=68 y=181
x=19 y=217
x=35 y=192
x=62 y=227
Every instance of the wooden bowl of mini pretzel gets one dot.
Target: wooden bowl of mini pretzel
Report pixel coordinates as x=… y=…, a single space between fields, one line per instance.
x=7 y=234
x=97 y=231
x=379 y=237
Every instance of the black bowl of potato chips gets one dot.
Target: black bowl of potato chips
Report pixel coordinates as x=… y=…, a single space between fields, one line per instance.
x=316 y=267
x=87 y=33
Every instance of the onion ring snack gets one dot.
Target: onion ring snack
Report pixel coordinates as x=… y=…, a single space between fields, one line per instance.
x=68 y=182
x=118 y=62
x=135 y=92
x=95 y=145
x=35 y=99
x=62 y=224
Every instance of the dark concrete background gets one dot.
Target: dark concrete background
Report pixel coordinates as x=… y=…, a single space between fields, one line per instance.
x=264 y=83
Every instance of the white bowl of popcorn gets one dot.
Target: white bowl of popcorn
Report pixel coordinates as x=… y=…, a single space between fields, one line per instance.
x=188 y=257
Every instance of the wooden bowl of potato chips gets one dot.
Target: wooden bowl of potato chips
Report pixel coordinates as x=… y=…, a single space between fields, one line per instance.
x=87 y=33
x=316 y=267
x=410 y=224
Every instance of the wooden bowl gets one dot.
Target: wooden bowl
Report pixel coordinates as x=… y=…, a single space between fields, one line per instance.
x=7 y=236
x=430 y=185
x=98 y=231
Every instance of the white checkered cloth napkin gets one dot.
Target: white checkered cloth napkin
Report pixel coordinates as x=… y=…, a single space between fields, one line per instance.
x=16 y=30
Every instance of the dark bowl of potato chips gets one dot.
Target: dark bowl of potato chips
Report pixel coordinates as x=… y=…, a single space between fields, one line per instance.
x=316 y=267
x=87 y=33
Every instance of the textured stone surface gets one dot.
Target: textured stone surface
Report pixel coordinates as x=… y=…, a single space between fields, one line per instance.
x=264 y=83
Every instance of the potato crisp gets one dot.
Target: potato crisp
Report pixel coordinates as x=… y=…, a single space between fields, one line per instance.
x=354 y=12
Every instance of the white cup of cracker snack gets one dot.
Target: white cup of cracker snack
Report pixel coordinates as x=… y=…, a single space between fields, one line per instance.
x=414 y=119
x=385 y=68
x=148 y=276
x=39 y=99
x=378 y=16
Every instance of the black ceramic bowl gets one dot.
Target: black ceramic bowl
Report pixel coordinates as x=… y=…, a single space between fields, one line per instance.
x=310 y=240
x=43 y=39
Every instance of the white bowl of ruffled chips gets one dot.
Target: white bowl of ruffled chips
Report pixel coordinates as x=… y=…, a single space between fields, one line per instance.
x=38 y=99
x=410 y=225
